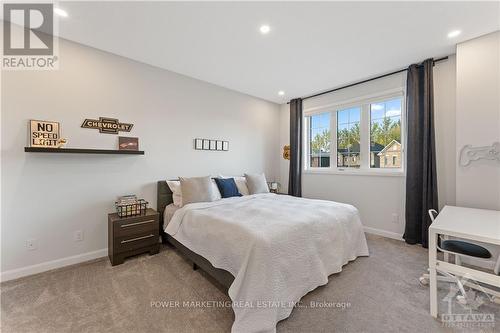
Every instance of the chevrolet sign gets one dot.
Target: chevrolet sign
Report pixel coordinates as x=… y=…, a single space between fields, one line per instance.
x=107 y=125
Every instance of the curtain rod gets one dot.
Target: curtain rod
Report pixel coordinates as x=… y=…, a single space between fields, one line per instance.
x=364 y=81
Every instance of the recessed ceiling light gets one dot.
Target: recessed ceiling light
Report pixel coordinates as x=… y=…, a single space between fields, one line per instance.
x=454 y=33
x=281 y=93
x=60 y=12
x=264 y=29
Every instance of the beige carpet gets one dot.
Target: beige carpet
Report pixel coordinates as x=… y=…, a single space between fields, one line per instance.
x=381 y=293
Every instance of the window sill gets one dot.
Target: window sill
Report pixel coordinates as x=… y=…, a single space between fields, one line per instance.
x=356 y=172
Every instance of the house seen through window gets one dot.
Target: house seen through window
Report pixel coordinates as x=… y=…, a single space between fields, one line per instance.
x=319 y=140
x=385 y=134
x=348 y=138
x=371 y=128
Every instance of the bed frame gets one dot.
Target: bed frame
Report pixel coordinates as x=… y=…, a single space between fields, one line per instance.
x=164 y=198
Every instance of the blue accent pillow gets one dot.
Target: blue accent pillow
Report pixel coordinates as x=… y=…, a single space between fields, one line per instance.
x=227 y=187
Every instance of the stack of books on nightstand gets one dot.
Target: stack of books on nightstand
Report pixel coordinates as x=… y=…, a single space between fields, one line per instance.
x=127 y=199
x=129 y=205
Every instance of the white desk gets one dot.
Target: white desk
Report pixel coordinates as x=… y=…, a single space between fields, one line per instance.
x=468 y=223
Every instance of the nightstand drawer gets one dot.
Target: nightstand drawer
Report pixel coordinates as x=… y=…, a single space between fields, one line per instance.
x=127 y=243
x=136 y=226
x=133 y=235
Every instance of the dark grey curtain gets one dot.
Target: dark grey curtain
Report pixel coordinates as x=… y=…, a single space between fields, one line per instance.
x=295 y=174
x=421 y=181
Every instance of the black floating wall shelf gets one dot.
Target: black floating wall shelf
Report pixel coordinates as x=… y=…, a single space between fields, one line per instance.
x=82 y=151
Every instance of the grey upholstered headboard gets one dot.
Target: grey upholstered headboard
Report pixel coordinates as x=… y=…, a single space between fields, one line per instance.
x=163 y=199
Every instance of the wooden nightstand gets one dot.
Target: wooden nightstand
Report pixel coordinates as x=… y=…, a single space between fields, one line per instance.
x=133 y=235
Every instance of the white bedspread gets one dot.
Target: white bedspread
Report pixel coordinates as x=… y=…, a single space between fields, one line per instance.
x=277 y=247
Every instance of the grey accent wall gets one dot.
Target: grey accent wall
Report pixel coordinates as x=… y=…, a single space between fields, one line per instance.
x=48 y=197
x=478 y=124
x=478 y=119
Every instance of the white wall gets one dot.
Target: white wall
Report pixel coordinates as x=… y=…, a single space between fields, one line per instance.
x=478 y=119
x=444 y=116
x=49 y=196
x=378 y=197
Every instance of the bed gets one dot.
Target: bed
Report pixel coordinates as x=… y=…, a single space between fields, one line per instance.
x=268 y=250
x=164 y=198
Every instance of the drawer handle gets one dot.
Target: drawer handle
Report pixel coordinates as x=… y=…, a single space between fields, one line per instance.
x=136 y=239
x=136 y=223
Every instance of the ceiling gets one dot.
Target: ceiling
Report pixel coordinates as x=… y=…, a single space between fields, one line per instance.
x=311 y=47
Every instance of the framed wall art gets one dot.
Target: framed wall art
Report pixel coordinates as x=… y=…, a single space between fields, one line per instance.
x=210 y=144
x=44 y=134
x=127 y=143
x=198 y=144
x=213 y=144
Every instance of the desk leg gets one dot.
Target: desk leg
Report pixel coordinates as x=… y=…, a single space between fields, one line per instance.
x=432 y=273
x=446 y=255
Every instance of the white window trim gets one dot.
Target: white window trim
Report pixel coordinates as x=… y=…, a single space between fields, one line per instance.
x=352 y=101
x=355 y=172
x=365 y=123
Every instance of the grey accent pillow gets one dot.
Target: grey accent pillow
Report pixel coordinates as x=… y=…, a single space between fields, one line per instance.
x=197 y=189
x=256 y=183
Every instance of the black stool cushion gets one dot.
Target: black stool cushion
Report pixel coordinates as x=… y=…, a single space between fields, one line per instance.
x=466 y=248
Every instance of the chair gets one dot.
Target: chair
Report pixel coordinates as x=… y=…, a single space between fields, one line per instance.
x=462 y=249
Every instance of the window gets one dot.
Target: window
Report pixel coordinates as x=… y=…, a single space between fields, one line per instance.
x=385 y=132
x=365 y=135
x=348 y=135
x=319 y=139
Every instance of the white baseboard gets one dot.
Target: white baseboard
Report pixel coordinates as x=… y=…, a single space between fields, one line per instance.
x=53 y=264
x=384 y=233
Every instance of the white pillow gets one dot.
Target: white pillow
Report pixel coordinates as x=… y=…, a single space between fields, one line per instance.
x=175 y=187
x=257 y=183
x=215 y=191
x=197 y=189
x=241 y=184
